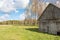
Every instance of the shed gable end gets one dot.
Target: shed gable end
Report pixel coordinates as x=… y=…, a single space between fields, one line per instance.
x=50 y=12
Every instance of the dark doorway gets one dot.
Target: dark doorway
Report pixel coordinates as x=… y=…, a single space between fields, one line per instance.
x=47 y=29
x=58 y=33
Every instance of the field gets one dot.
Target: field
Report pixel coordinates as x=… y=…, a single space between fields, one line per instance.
x=14 y=32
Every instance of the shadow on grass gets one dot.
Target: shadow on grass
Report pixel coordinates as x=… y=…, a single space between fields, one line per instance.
x=33 y=29
x=37 y=30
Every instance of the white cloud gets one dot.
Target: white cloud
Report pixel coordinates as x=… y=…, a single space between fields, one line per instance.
x=58 y=4
x=21 y=3
x=16 y=11
x=47 y=3
x=22 y=16
x=4 y=17
x=51 y=1
x=6 y=5
x=1 y=3
x=9 y=5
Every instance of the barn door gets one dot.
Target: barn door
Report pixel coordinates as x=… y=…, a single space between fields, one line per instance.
x=47 y=29
x=52 y=27
x=58 y=28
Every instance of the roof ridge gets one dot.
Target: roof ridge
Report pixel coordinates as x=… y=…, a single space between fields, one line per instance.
x=46 y=8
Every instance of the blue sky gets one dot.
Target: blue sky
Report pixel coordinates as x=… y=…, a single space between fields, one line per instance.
x=16 y=15
x=15 y=9
x=13 y=14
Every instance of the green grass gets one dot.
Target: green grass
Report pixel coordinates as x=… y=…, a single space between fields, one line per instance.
x=10 y=32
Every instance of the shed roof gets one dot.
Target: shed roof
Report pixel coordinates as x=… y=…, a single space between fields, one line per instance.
x=46 y=8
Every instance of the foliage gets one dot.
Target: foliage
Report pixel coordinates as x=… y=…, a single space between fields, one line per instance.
x=18 y=22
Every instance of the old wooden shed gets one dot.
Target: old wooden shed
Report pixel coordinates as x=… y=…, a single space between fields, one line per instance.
x=49 y=20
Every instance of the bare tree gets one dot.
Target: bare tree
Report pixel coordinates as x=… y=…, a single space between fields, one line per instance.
x=34 y=10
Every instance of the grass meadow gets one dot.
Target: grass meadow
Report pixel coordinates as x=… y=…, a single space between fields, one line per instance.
x=14 y=32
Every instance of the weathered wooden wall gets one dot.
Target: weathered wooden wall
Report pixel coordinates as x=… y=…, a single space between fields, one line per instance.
x=50 y=20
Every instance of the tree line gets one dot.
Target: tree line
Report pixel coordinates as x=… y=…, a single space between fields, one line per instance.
x=18 y=22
